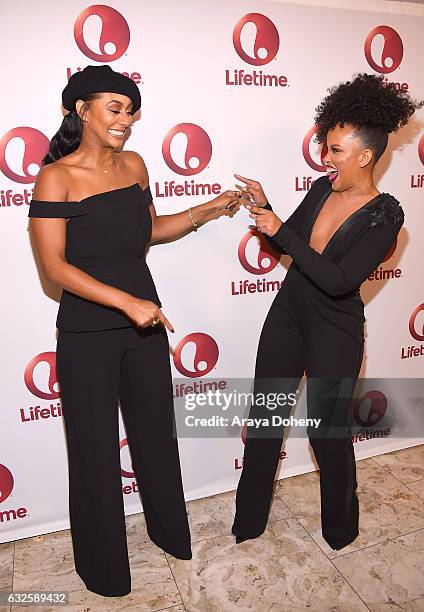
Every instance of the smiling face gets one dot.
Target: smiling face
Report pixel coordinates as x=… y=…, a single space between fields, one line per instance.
x=347 y=159
x=107 y=118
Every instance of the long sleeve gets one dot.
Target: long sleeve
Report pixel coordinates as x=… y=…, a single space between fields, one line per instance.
x=276 y=246
x=352 y=270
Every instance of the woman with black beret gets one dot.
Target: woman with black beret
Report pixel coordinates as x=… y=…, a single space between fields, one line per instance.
x=92 y=217
x=337 y=236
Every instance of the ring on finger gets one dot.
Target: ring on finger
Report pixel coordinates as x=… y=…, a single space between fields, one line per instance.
x=155 y=321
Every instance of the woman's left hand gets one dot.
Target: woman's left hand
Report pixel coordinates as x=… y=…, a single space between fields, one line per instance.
x=266 y=220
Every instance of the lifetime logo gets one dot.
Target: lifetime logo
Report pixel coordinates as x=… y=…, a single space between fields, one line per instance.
x=256 y=41
x=421 y=149
x=133 y=487
x=186 y=150
x=47 y=359
x=196 y=354
x=314 y=155
x=417 y=335
x=6 y=483
x=417 y=180
x=266 y=258
x=374 y=412
x=376 y=407
x=408 y=352
x=21 y=152
x=126 y=473
x=383 y=49
x=315 y=159
x=101 y=33
x=6 y=488
x=257 y=257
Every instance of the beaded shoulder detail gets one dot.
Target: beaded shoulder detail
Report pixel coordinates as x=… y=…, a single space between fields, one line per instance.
x=387 y=210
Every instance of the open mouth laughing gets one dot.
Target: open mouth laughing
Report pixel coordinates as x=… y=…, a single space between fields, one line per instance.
x=116 y=133
x=332 y=173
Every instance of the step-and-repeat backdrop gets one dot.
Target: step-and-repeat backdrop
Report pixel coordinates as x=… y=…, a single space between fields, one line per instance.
x=226 y=87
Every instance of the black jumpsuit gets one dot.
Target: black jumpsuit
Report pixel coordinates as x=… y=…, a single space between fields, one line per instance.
x=101 y=358
x=315 y=326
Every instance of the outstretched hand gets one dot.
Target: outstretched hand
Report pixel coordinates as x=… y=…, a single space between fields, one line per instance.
x=228 y=200
x=266 y=220
x=251 y=191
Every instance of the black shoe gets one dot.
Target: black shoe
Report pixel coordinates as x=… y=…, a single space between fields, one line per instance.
x=343 y=544
x=239 y=538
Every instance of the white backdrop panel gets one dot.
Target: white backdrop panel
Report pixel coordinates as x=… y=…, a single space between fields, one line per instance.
x=182 y=52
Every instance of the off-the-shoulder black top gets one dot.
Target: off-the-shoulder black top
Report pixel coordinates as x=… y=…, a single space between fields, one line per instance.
x=106 y=236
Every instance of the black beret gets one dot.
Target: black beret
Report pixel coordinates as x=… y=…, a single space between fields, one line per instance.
x=99 y=79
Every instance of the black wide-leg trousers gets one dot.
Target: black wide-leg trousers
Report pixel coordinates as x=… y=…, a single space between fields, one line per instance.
x=95 y=370
x=331 y=359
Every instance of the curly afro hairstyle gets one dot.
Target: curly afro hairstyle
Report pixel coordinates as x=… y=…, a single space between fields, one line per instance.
x=370 y=104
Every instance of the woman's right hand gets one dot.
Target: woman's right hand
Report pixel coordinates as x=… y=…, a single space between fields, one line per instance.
x=145 y=313
x=252 y=191
x=228 y=200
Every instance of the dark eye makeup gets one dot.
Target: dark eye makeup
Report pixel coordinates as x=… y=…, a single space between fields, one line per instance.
x=117 y=112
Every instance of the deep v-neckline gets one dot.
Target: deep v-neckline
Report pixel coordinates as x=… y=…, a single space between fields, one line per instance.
x=341 y=227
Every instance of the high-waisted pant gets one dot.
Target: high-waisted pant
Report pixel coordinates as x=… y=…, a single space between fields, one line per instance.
x=95 y=369
x=332 y=363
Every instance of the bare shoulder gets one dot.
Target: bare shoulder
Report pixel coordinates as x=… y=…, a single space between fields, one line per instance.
x=137 y=167
x=51 y=183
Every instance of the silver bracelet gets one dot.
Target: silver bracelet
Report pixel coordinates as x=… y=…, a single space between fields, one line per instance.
x=191 y=219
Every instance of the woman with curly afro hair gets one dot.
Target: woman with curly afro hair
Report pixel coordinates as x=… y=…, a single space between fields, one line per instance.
x=339 y=234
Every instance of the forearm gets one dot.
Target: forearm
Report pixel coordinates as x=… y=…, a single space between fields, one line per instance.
x=326 y=274
x=272 y=243
x=352 y=270
x=86 y=286
x=172 y=227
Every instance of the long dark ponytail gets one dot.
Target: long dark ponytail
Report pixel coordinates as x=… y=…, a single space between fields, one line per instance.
x=68 y=137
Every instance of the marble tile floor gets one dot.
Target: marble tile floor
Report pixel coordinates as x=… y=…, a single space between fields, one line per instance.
x=289 y=568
